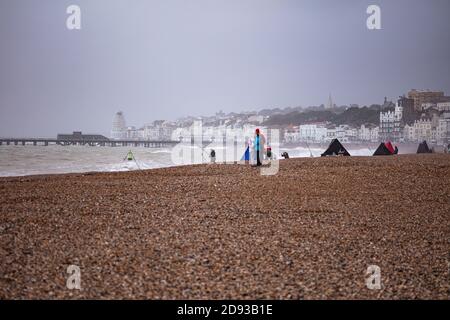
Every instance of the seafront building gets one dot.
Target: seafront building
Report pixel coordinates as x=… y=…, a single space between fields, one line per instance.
x=119 y=128
x=368 y=133
x=433 y=129
x=443 y=129
x=292 y=134
x=325 y=132
x=313 y=132
x=391 y=123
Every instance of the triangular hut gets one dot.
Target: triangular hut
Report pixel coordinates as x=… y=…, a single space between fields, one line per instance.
x=335 y=149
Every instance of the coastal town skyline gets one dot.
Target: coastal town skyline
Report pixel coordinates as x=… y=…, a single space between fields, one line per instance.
x=419 y=115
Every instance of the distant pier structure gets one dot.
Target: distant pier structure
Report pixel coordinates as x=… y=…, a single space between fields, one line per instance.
x=78 y=138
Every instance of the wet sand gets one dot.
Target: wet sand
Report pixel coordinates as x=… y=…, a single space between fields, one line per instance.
x=226 y=232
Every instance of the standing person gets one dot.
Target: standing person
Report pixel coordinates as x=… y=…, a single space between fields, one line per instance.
x=285 y=155
x=212 y=155
x=269 y=153
x=259 y=146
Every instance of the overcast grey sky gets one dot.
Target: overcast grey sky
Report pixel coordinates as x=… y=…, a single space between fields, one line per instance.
x=163 y=59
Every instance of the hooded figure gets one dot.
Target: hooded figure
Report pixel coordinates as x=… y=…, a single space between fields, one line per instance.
x=129 y=156
x=212 y=155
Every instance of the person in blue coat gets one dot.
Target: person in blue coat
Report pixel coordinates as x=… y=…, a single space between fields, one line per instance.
x=259 y=146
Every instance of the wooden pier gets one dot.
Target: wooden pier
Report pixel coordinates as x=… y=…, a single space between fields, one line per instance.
x=88 y=142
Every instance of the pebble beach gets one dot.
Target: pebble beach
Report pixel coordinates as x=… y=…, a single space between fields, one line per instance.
x=223 y=231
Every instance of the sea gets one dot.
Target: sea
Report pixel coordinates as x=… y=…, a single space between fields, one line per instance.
x=54 y=159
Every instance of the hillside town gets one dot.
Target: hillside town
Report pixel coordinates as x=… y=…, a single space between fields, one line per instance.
x=417 y=116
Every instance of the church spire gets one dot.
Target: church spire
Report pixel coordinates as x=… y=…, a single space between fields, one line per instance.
x=330 y=104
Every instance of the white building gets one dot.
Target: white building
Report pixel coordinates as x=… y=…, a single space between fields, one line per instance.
x=351 y=134
x=375 y=134
x=313 y=132
x=210 y=133
x=391 y=124
x=132 y=133
x=331 y=133
x=151 y=133
x=409 y=133
x=343 y=132
x=422 y=130
x=119 y=128
x=292 y=135
x=428 y=105
x=166 y=131
x=181 y=134
x=158 y=130
x=368 y=133
x=443 y=129
x=321 y=133
x=443 y=106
